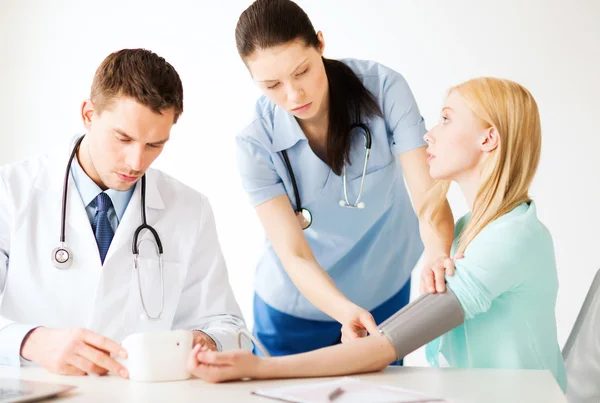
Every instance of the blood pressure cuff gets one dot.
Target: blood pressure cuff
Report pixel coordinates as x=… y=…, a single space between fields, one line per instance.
x=428 y=317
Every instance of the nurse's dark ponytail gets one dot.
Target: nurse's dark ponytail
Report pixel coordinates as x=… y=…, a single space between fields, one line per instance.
x=269 y=23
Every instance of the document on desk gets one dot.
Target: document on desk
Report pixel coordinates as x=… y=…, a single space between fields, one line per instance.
x=345 y=390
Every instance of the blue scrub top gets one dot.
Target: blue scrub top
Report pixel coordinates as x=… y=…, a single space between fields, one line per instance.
x=368 y=252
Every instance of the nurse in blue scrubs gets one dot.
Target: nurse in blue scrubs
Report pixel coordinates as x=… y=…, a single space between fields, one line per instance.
x=324 y=162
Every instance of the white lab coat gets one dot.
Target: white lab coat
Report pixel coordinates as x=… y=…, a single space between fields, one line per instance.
x=105 y=298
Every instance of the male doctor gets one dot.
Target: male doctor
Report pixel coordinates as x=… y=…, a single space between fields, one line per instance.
x=70 y=319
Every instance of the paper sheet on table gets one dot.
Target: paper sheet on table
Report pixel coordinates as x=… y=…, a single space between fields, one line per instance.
x=355 y=391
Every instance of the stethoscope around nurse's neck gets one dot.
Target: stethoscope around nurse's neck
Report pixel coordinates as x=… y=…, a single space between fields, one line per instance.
x=303 y=214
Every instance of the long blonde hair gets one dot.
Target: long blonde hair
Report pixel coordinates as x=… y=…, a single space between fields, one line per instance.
x=507 y=173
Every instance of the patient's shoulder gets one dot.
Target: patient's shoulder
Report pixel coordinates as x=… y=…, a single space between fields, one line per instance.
x=518 y=229
x=518 y=240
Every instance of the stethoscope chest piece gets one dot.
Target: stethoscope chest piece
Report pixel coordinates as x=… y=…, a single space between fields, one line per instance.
x=62 y=257
x=304 y=218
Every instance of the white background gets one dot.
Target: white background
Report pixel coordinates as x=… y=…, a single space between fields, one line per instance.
x=50 y=50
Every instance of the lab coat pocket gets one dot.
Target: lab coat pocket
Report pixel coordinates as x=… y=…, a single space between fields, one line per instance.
x=151 y=303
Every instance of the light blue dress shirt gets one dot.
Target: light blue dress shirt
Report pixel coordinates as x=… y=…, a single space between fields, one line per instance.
x=368 y=252
x=88 y=190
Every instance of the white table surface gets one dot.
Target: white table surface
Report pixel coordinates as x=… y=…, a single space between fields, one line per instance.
x=466 y=385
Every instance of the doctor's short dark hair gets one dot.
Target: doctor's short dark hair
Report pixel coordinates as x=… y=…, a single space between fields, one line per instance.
x=139 y=74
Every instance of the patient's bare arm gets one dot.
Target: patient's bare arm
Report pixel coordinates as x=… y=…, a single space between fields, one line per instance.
x=428 y=317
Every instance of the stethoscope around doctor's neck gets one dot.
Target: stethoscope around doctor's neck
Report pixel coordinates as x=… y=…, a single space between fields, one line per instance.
x=62 y=256
x=303 y=214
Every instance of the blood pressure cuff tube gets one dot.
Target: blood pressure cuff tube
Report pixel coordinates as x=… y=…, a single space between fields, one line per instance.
x=428 y=317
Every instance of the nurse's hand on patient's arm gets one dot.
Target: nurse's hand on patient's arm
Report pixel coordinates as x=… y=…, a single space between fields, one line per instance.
x=356 y=322
x=73 y=351
x=433 y=275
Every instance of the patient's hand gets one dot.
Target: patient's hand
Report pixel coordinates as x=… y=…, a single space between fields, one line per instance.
x=433 y=275
x=214 y=367
x=202 y=339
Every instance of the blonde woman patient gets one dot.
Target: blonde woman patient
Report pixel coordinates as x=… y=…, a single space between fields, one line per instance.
x=498 y=311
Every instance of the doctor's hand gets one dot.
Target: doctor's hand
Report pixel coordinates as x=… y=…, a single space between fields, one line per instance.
x=433 y=275
x=356 y=323
x=73 y=351
x=214 y=367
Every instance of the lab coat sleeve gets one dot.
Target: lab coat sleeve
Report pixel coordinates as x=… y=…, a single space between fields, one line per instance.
x=207 y=302
x=11 y=333
x=401 y=113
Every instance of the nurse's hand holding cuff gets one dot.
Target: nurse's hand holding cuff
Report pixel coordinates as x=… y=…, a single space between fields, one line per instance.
x=73 y=351
x=433 y=275
x=356 y=323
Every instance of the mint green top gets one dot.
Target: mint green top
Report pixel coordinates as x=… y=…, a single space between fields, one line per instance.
x=507 y=286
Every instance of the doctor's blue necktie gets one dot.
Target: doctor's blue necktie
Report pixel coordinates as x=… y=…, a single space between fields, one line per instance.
x=101 y=226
